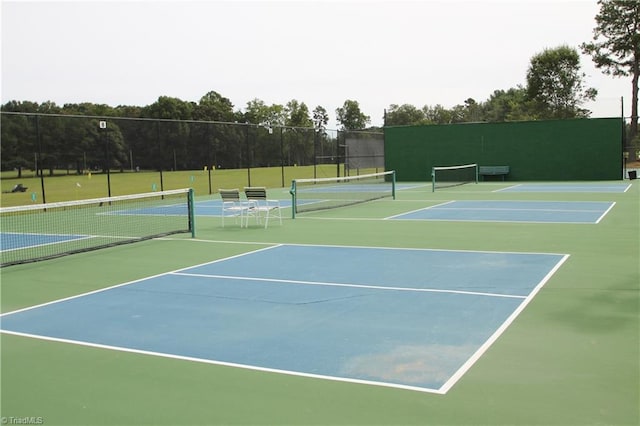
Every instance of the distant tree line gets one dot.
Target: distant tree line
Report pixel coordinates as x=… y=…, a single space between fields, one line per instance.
x=170 y=134
x=554 y=89
x=175 y=134
x=554 y=86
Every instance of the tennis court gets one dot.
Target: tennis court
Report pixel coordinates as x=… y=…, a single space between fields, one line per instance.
x=573 y=187
x=391 y=317
x=340 y=316
x=15 y=241
x=513 y=211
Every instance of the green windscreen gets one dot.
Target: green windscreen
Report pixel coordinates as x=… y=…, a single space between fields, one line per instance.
x=580 y=149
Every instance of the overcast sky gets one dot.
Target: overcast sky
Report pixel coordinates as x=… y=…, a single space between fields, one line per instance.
x=318 y=52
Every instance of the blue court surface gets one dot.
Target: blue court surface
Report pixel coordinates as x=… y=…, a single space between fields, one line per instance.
x=409 y=318
x=513 y=211
x=363 y=187
x=14 y=241
x=213 y=207
x=574 y=187
x=201 y=208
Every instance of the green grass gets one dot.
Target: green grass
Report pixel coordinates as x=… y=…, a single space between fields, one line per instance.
x=65 y=187
x=570 y=358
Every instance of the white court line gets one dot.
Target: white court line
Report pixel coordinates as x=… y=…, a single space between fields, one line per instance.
x=499 y=221
x=491 y=340
x=332 y=284
x=564 y=188
x=70 y=240
x=443 y=206
x=517 y=210
x=508 y=187
x=347 y=246
x=605 y=213
x=419 y=210
x=221 y=363
x=100 y=290
x=442 y=390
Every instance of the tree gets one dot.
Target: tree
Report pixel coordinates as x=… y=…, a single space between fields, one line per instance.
x=616 y=46
x=510 y=105
x=437 y=114
x=17 y=133
x=555 y=84
x=87 y=108
x=214 y=107
x=299 y=144
x=350 y=116
x=320 y=118
x=473 y=111
x=258 y=112
x=404 y=115
x=169 y=150
x=297 y=114
x=169 y=108
x=17 y=106
x=18 y=142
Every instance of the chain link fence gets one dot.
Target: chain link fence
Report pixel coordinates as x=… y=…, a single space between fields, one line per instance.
x=46 y=145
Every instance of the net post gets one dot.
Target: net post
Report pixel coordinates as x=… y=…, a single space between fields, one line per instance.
x=192 y=216
x=433 y=179
x=292 y=191
x=393 y=184
x=477 y=173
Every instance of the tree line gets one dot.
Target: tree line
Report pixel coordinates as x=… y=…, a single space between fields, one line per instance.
x=554 y=89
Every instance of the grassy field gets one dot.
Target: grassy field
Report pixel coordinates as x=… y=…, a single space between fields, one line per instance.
x=570 y=358
x=66 y=187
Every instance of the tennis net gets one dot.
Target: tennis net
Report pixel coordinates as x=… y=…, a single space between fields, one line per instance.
x=43 y=231
x=328 y=193
x=442 y=177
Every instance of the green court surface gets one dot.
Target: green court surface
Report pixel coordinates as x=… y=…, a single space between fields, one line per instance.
x=569 y=358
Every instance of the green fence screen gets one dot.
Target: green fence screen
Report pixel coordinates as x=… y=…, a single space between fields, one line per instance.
x=580 y=149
